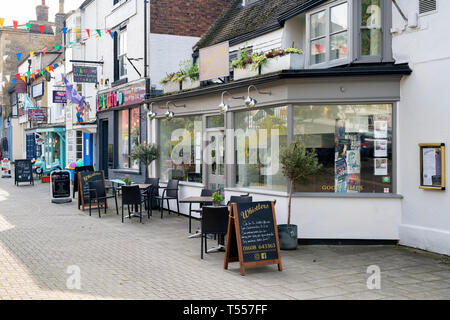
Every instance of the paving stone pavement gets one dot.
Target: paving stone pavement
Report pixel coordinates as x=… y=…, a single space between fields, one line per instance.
x=40 y=242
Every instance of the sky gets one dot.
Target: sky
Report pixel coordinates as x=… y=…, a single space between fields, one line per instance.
x=25 y=10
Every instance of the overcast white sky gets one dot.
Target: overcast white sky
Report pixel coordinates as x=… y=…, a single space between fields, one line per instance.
x=25 y=10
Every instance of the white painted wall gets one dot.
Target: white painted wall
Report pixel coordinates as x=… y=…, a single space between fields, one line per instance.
x=423 y=117
x=266 y=42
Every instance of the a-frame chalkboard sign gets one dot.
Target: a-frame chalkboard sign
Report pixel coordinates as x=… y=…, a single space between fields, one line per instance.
x=83 y=187
x=23 y=172
x=253 y=236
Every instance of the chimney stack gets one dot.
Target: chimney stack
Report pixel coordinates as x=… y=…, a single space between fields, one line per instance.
x=42 y=12
x=60 y=17
x=61 y=6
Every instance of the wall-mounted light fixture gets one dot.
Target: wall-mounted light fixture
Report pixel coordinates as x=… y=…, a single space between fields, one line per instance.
x=151 y=114
x=169 y=114
x=224 y=107
x=250 y=102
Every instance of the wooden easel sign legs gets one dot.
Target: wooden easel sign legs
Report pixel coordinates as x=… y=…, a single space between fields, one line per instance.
x=253 y=236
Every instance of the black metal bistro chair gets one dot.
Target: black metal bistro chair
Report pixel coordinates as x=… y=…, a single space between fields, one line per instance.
x=132 y=196
x=98 y=194
x=204 y=193
x=240 y=199
x=214 y=222
x=169 y=193
x=151 y=193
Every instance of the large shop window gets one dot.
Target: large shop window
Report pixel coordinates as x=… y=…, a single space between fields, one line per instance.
x=328 y=34
x=181 y=149
x=259 y=136
x=353 y=143
x=129 y=137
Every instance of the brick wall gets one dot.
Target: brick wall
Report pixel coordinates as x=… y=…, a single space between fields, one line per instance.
x=185 y=17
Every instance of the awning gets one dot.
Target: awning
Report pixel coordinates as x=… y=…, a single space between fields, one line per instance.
x=86 y=128
x=47 y=130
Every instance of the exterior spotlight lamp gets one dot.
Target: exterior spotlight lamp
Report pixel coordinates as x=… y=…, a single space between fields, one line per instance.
x=224 y=107
x=250 y=102
x=151 y=114
x=169 y=114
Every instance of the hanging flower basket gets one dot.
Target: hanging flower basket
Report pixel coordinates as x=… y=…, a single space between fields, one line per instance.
x=246 y=72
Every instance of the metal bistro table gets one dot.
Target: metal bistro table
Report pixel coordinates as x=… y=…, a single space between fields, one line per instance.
x=193 y=200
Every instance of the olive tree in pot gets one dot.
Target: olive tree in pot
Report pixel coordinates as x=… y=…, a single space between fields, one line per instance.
x=145 y=154
x=298 y=164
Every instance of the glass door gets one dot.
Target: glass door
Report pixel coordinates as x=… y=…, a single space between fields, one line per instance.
x=215 y=159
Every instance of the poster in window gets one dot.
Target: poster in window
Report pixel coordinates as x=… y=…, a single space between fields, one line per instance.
x=381 y=167
x=341 y=176
x=381 y=148
x=353 y=162
x=432 y=166
x=381 y=129
x=354 y=183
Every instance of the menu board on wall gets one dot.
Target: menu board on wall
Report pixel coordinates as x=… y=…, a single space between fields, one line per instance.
x=253 y=236
x=432 y=166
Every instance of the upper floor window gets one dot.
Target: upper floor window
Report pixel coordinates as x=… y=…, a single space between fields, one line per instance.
x=329 y=34
x=371 y=27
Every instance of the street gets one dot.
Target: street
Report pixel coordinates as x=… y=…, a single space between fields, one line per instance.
x=50 y=251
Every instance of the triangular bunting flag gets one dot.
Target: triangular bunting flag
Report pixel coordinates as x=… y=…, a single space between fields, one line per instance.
x=55 y=65
x=64 y=30
x=14 y=81
x=111 y=34
x=44 y=51
x=29 y=74
x=42 y=72
x=2 y=22
x=33 y=76
x=58 y=47
x=18 y=75
x=88 y=31
x=71 y=44
x=24 y=79
x=31 y=54
x=52 y=68
x=19 y=55
x=48 y=69
x=38 y=71
x=99 y=33
x=28 y=25
x=41 y=28
x=16 y=24
x=77 y=32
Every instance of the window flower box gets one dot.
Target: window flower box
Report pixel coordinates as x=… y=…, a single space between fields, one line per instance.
x=246 y=72
x=291 y=61
x=171 y=86
x=188 y=84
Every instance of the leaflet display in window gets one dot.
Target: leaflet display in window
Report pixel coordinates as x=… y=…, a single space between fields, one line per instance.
x=432 y=166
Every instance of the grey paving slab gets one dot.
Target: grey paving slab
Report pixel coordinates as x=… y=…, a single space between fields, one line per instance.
x=41 y=244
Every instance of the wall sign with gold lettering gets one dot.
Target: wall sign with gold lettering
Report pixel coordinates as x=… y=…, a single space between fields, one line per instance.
x=432 y=166
x=253 y=236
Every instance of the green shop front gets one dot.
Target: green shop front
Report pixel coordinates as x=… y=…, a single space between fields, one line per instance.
x=52 y=142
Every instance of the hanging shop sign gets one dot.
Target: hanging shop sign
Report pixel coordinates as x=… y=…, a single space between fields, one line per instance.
x=253 y=236
x=37 y=90
x=84 y=74
x=59 y=97
x=432 y=166
x=132 y=95
x=37 y=115
x=214 y=62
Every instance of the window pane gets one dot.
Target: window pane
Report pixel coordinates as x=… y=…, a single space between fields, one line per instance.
x=181 y=149
x=124 y=139
x=215 y=122
x=371 y=13
x=259 y=136
x=371 y=42
x=339 y=18
x=135 y=133
x=318 y=51
x=318 y=25
x=353 y=144
x=338 y=43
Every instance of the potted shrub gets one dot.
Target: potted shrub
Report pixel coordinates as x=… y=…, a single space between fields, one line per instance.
x=297 y=164
x=145 y=154
x=192 y=72
x=172 y=82
x=243 y=66
x=282 y=59
x=218 y=198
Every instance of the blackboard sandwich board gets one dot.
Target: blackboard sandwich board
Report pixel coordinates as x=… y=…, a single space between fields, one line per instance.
x=23 y=172
x=60 y=187
x=253 y=236
x=83 y=186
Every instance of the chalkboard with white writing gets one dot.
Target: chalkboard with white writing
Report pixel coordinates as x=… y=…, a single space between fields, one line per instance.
x=83 y=184
x=253 y=235
x=23 y=172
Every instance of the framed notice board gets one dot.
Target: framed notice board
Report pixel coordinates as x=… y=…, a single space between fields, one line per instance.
x=432 y=166
x=253 y=236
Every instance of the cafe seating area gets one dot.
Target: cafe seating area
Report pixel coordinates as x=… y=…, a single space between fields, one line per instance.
x=135 y=200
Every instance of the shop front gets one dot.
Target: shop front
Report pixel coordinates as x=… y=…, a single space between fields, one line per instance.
x=121 y=127
x=52 y=142
x=347 y=118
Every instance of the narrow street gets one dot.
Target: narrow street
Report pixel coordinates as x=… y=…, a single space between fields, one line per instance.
x=40 y=242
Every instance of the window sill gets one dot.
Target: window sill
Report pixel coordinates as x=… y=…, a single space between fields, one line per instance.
x=259 y=191
x=127 y=171
x=187 y=184
x=347 y=195
x=119 y=82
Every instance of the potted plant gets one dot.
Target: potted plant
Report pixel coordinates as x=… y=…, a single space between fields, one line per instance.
x=297 y=164
x=218 y=198
x=192 y=72
x=243 y=65
x=282 y=59
x=145 y=154
x=172 y=82
x=127 y=179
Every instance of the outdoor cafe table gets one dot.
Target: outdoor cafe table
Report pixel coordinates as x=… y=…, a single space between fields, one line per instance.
x=142 y=187
x=199 y=200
